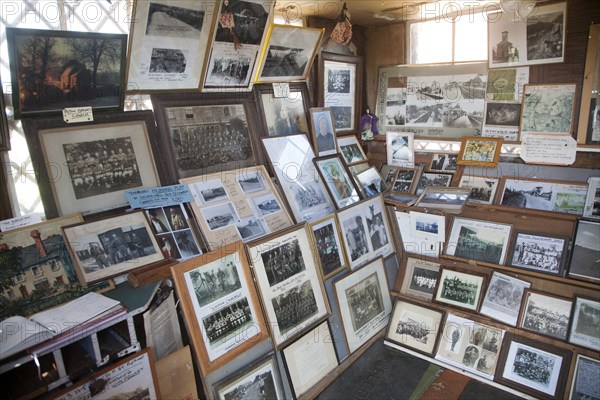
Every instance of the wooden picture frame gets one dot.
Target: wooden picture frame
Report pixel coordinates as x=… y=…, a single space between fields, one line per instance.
x=286 y=276
x=4 y=131
x=327 y=238
x=288 y=53
x=460 y=289
x=263 y=373
x=339 y=184
x=239 y=205
x=483 y=189
x=545 y=314
x=364 y=302
x=202 y=133
x=400 y=148
x=273 y=109
x=371 y=183
x=340 y=81
x=588 y=130
x=323 y=131
x=91 y=78
x=548 y=109
x=584 y=327
x=169 y=39
x=476 y=150
x=533 y=367
x=407 y=180
x=68 y=185
x=351 y=150
x=389 y=174
x=503 y=298
x=438 y=179
x=131 y=376
x=539 y=252
x=111 y=246
x=220 y=305
x=414 y=326
x=581 y=385
x=584 y=252
x=419 y=278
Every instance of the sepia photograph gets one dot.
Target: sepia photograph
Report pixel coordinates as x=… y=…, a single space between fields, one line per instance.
x=478 y=240
x=582 y=387
x=420 y=278
x=283 y=262
x=260 y=381
x=483 y=189
x=219 y=216
x=459 y=289
x=540 y=253
x=433 y=179
x=329 y=246
x=503 y=298
x=545 y=314
x=400 y=149
x=548 y=109
x=586 y=251
x=371 y=182
x=211 y=191
x=415 y=327
x=585 y=324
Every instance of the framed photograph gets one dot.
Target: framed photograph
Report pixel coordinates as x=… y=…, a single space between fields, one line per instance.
x=363 y=298
x=323 y=131
x=332 y=257
x=548 y=109
x=419 y=278
x=53 y=69
x=407 y=180
x=288 y=53
x=588 y=128
x=527 y=35
x=545 y=314
x=400 y=149
x=111 y=246
x=533 y=367
x=414 y=326
x=427 y=226
x=584 y=329
x=99 y=160
x=352 y=152
x=459 y=289
x=220 y=305
x=427 y=179
x=503 y=298
x=131 y=377
x=239 y=31
x=238 y=205
x=582 y=387
x=389 y=173
x=4 y=132
x=290 y=287
x=478 y=240
x=502 y=120
x=470 y=345
x=175 y=236
x=366 y=231
x=480 y=151
x=304 y=191
x=592 y=202
x=203 y=133
x=446 y=199
x=337 y=180
x=340 y=80
x=300 y=356
x=545 y=195
x=541 y=253
x=586 y=252
x=483 y=189
x=371 y=183
x=260 y=378
x=168 y=44
x=283 y=115
x=443 y=162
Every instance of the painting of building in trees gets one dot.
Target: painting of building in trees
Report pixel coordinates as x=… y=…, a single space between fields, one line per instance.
x=52 y=70
x=36 y=271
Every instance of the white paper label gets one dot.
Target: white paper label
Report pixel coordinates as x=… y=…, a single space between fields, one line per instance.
x=548 y=149
x=19 y=222
x=281 y=90
x=78 y=114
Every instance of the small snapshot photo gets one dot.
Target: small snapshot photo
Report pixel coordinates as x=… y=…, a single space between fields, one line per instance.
x=251 y=182
x=220 y=216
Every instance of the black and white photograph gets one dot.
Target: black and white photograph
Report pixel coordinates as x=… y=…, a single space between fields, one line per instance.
x=443 y=162
x=227 y=321
x=167 y=61
x=478 y=240
x=586 y=251
x=353 y=229
x=365 y=301
x=592 y=201
x=351 y=150
x=338 y=80
x=219 y=216
x=241 y=22
x=258 y=382
x=503 y=298
x=545 y=35
x=433 y=179
x=424 y=114
x=285 y=115
x=405 y=181
x=251 y=182
x=548 y=109
x=395 y=106
x=172 y=21
x=294 y=307
x=309 y=195
x=211 y=191
x=420 y=278
x=329 y=246
x=266 y=204
x=414 y=326
x=545 y=314
x=250 y=228
x=459 y=289
x=483 y=189
x=426 y=227
x=585 y=324
x=527 y=194
x=174 y=236
x=342 y=116
x=582 y=387
x=540 y=253
x=503 y=114
x=371 y=182
x=186 y=243
x=400 y=149
x=389 y=173
x=285 y=61
x=376 y=226
x=283 y=262
x=230 y=69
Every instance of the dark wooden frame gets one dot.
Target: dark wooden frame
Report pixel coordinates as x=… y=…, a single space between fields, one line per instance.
x=267 y=88
x=563 y=259
x=4 y=131
x=480 y=295
x=572 y=255
x=11 y=34
x=347 y=176
x=522 y=315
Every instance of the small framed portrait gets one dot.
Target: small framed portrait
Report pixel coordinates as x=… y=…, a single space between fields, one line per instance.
x=371 y=183
x=407 y=180
x=288 y=53
x=111 y=246
x=220 y=305
x=332 y=257
x=586 y=252
x=459 y=289
x=323 y=131
x=483 y=189
x=283 y=115
x=446 y=199
x=581 y=384
x=480 y=151
x=352 y=152
x=470 y=345
x=400 y=148
x=389 y=174
x=438 y=179
x=533 y=367
x=420 y=278
x=584 y=329
x=548 y=109
x=537 y=252
x=545 y=314
x=337 y=180
x=414 y=326
x=363 y=298
x=443 y=162
x=503 y=298
x=261 y=377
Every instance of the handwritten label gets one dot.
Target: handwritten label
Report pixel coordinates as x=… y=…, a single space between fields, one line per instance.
x=19 y=222
x=78 y=114
x=163 y=196
x=281 y=90
x=548 y=149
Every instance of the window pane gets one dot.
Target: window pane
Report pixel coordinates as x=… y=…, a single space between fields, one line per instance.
x=431 y=42
x=470 y=39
